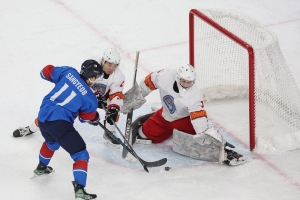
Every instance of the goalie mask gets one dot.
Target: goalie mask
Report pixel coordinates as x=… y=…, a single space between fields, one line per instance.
x=185 y=78
x=111 y=55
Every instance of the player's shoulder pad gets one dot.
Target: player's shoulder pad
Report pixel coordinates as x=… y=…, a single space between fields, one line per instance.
x=119 y=74
x=194 y=92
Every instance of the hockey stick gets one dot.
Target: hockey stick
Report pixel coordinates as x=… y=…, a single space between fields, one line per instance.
x=129 y=148
x=150 y=164
x=128 y=128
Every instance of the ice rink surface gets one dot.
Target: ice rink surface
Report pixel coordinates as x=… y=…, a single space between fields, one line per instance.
x=60 y=32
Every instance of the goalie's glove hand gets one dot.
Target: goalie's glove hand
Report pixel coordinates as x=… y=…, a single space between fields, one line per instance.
x=112 y=114
x=102 y=103
x=95 y=122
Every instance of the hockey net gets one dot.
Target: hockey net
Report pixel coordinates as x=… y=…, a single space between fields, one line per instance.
x=236 y=57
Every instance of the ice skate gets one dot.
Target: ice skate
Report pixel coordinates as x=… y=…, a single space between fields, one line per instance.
x=80 y=192
x=42 y=170
x=233 y=158
x=109 y=141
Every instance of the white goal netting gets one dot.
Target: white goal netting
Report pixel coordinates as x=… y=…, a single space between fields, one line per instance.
x=224 y=71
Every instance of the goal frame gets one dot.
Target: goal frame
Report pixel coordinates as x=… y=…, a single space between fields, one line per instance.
x=251 y=58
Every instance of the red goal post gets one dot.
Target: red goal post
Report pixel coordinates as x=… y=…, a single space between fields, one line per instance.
x=235 y=55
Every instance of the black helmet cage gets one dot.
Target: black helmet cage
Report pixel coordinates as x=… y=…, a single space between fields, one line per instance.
x=91 y=68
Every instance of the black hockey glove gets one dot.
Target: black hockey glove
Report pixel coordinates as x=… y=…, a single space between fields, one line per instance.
x=95 y=121
x=101 y=102
x=112 y=114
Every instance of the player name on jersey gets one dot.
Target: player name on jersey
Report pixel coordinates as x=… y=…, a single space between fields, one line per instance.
x=77 y=83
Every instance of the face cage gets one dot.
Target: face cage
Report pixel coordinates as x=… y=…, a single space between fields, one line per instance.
x=104 y=60
x=191 y=84
x=96 y=78
x=179 y=85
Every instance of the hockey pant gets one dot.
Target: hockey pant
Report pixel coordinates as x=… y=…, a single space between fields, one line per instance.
x=157 y=129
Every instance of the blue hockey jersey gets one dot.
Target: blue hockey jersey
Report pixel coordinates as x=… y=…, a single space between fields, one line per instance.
x=70 y=97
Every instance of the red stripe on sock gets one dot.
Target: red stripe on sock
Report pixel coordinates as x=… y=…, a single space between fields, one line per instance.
x=45 y=151
x=80 y=164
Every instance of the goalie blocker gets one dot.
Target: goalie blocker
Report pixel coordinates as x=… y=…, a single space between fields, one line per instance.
x=208 y=145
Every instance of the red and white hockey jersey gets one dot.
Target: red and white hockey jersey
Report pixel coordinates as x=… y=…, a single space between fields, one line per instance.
x=174 y=106
x=111 y=87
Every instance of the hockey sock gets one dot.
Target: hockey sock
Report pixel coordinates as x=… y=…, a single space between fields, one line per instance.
x=80 y=171
x=45 y=154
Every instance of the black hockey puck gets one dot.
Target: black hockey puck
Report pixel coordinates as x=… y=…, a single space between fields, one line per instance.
x=167 y=168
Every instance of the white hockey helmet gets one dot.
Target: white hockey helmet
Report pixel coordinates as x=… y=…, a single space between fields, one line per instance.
x=112 y=55
x=188 y=73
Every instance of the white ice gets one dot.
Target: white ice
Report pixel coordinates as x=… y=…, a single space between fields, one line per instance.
x=35 y=33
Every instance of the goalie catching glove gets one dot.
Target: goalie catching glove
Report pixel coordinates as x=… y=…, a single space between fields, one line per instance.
x=112 y=113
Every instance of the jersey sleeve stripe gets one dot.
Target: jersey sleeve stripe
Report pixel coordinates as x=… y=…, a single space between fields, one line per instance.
x=47 y=72
x=119 y=95
x=149 y=82
x=198 y=114
x=87 y=116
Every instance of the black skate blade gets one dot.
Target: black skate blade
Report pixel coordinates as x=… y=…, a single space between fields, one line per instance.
x=43 y=175
x=229 y=145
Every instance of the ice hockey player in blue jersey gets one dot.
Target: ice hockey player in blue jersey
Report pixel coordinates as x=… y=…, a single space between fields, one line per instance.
x=109 y=91
x=71 y=97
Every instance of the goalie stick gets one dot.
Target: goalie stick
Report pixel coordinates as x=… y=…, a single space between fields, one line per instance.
x=128 y=128
x=129 y=148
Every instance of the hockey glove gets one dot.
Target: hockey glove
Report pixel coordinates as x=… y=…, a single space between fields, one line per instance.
x=112 y=113
x=102 y=103
x=95 y=121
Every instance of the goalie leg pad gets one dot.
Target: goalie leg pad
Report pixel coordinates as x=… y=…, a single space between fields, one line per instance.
x=135 y=128
x=203 y=147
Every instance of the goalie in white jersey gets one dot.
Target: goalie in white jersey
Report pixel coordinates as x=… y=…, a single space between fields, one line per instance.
x=183 y=116
x=109 y=91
